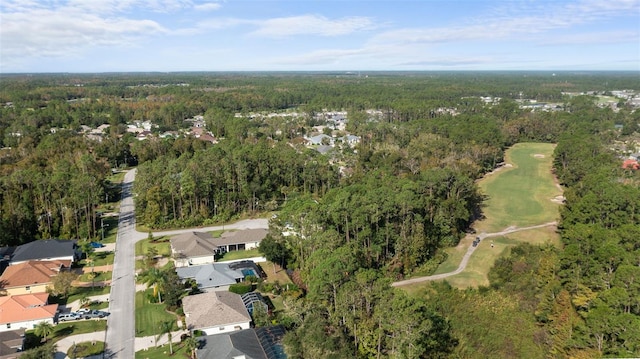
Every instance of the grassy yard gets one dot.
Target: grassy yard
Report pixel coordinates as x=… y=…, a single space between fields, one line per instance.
x=78 y=293
x=84 y=349
x=110 y=228
x=179 y=351
x=100 y=259
x=78 y=327
x=233 y=255
x=150 y=315
x=161 y=244
x=518 y=196
x=279 y=275
x=99 y=276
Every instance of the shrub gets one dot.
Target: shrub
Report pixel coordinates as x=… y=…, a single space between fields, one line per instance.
x=240 y=288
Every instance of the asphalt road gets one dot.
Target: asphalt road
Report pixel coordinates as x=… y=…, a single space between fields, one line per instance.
x=120 y=336
x=121 y=322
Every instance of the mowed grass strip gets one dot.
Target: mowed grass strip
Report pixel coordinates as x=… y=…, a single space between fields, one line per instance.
x=149 y=316
x=521 y=195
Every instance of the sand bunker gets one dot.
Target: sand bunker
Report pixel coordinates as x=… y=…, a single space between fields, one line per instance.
x=537 y=155
x=558 y=199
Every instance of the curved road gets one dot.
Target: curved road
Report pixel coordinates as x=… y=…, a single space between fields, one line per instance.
x=120 y=336
x=467 y=256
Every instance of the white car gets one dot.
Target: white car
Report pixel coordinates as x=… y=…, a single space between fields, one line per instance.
x=68 y=316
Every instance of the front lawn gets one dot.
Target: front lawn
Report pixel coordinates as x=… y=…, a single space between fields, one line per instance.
x=99 y=276
x=100 y=259
x=161 y=244
x=179 y=351
x=84 y=349
x=150 y=315
x=78 y=293
x=78 y=327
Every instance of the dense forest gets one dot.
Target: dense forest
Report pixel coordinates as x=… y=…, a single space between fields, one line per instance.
x=360 y=217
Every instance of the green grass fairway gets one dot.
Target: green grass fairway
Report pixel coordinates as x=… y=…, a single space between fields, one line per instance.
x=518 y=195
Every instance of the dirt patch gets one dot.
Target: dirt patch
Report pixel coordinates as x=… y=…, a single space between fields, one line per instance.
x=538 y=155
x=508 y=165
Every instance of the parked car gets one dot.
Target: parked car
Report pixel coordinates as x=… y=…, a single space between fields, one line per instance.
x=68 y=316
x=82 y=311
x=96 y=244
x=94 y=314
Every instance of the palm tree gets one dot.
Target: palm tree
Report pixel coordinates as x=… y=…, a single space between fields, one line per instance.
x=155 y=277
x=44 y=329
x=165 y=328
x=191 y=343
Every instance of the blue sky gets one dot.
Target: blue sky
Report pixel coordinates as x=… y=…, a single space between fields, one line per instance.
x=318 y=35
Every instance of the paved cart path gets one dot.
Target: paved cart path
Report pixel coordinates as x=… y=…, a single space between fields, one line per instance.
x=467 y=256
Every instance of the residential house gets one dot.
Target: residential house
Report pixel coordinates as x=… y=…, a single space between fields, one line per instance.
x=211 y=277
x=321 y=139
x=193 y=248
x=25 y=311
x=46 y=250
x=207 y=137
x=258 y=343
x=216 y=312
x=197 y=248
x=30 y=277
x=351 y=140
x=240 y=240
x=11 y=344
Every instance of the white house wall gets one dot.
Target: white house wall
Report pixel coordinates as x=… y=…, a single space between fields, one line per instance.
x=226 y=328
x=26 y=325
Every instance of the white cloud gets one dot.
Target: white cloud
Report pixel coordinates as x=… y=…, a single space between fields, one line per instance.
x=211 y=6
x=311 y=25
x=66 y=30
x=515 y=21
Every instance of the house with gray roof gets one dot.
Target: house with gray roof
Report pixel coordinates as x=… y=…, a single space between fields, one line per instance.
x=319 y=140
x=240 y=344
x=193 y=248
x=11 y=343
x=46 y=250
x=211 y=277
x=216 y=312
x=258 y=343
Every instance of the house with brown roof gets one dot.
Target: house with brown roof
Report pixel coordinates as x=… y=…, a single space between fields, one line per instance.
x=198 y=248
x=30 y=277
x=193 y=248
x=216 y=312
x=240 y=240
x=25 y=311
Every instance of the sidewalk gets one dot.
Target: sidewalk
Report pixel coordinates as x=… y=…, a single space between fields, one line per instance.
x=141 y=343
x=144 y=343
